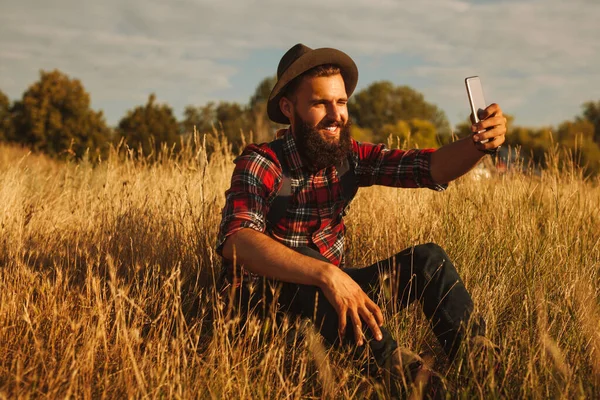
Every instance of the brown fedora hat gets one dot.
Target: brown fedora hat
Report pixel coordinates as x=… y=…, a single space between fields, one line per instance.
x=300 y=59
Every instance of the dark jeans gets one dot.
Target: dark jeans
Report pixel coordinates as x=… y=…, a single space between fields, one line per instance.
x=424 y=273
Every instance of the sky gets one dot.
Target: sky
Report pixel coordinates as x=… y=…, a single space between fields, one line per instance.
x=540 y=60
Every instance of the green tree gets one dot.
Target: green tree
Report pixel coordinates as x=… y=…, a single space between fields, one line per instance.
x=201 y=118
x=578 y=137
x=233 y=120
x=569 y=132
x=5 y=118
x=54 y=116
x=534 y=143
x=361 y=134
x=383 y=103
x=262 y=91
x=230 y=118
x=591 y=113
x=415 y=133
x=149 y=126
x=261 y=125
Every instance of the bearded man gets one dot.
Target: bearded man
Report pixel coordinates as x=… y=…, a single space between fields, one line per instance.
x=282 y=228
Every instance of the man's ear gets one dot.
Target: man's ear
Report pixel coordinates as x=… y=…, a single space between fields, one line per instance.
x=286 y=107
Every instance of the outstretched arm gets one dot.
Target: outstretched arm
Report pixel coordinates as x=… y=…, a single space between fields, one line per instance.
x=456 y=159
x=264 y=256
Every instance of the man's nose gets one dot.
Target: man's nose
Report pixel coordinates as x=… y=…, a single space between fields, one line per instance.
x=333 y=113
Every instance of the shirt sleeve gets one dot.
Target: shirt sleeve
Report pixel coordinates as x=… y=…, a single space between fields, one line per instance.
x=378 y=165
x=254 y=181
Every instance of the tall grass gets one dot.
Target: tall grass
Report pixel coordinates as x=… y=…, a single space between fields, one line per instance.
x=106 y=270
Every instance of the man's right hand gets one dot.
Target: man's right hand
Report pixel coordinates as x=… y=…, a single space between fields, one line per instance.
x=266 y=257
x=349 y=300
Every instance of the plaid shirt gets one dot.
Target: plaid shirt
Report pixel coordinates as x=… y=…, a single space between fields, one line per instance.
x=315 y=212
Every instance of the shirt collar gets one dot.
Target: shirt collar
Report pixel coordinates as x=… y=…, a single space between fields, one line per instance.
x=290 y=150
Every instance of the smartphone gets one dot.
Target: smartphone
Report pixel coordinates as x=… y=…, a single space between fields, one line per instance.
x=476 y=99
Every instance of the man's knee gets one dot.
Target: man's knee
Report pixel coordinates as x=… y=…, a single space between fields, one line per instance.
x=429 y=251
x=429 y=258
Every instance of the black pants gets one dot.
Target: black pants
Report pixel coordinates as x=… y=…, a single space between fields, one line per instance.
x=423 y=273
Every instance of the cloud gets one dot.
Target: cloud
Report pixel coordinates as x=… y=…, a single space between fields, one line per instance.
x=192 y=51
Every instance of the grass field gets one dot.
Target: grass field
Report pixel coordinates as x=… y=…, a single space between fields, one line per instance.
x=106 y=272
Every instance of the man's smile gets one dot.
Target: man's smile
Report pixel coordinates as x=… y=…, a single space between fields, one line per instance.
x=331 y=130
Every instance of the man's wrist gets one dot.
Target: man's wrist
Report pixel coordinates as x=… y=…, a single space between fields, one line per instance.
x=324 y=275
x=482 y=150
x=490 y=151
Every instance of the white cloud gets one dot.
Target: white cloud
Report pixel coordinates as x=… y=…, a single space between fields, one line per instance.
x=189 y=51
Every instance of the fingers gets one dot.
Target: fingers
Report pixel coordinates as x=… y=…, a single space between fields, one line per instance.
x=342 y=322
x=489 y=123
x=496 y=132
x=489 y=133
x=492 y=109
x=491 y=144
x=370 y=313
x=358 y=335
x=351 y=303
x=374 y=308
x=368 y=317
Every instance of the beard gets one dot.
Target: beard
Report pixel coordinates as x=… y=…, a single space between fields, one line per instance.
x=316 y=152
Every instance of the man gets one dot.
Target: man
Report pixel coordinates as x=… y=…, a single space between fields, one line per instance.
x=316 y=168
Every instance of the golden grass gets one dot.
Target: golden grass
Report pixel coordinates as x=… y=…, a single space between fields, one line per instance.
x=106 y=271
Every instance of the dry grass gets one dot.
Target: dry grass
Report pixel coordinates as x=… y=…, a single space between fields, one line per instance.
x=106 y=273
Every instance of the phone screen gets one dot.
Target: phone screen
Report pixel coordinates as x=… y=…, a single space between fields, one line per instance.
x=476 y=98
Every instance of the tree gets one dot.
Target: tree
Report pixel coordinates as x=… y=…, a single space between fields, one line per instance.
x=149 y=126
x=54 y=116
x=262 y=91
x=534 y=143
x=382 y=104
x=5 y=118
x=262 y=126
x=578 y=136
x=230 y=118
x=201 y=118
x=233 y=120
x=591 y=113
x=361 y=134
x=415 y=133
x=570 y=131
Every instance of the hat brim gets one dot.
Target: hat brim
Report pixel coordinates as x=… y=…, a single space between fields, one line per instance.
x=305 y=62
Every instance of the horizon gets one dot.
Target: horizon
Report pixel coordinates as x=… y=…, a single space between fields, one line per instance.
x=196 y=51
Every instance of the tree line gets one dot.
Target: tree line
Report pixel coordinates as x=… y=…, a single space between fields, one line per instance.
x=54 y=116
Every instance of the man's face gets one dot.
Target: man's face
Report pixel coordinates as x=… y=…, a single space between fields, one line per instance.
x=321 y=103
x=319 y=121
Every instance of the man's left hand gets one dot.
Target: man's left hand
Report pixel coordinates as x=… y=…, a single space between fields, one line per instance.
x=494 y=124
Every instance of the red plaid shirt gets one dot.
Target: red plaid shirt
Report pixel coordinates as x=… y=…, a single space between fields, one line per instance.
x=315 y=212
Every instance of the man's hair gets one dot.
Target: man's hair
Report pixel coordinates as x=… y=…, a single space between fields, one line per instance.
x=318 y=71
